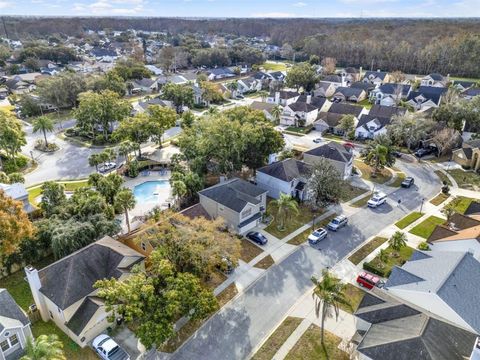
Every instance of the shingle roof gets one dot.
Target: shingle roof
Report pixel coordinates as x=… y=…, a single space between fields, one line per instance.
x=315 y=101
x=437 y=77
x=432 y=90
x=258 y=105
x=234 y=194
x=473 y=208
x=70 y=279
x=363 y=85
x=15 y=191
x=331 y=119
x=10 y=312
x=195 y=211
x=302 y=107
x=380 y=121
x=285 y=94
x=83 y=315
x=345 y=109
x=420 y=97
x=286 y=170
x=391 y=89
x=332 y=78
x=386 y=111
x=333 y=151
x=349 y=91
x=380 y=74
x=471 y=92
x=145 y=82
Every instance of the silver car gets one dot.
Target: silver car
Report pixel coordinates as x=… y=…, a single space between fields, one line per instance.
x=317 y=235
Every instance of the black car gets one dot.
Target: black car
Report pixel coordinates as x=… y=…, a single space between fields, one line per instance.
x=256 y=237
x=409 y=181
x=423 y=152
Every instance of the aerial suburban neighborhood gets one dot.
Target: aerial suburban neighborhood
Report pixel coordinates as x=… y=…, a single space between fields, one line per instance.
x=239 y=186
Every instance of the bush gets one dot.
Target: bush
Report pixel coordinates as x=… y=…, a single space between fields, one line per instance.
x=423 y=246
x=70 y=132
x=40 y=145
x=446 y=189
x=10 y=167
x=133 y=169
x=374 y=270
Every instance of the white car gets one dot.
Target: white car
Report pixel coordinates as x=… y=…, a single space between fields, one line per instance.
x=337 y=223
x=317 y=235
x=108 y=349
x=377 y=200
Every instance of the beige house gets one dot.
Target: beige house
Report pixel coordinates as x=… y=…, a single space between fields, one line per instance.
x=240 y=203
x=468 y=155
x=63 y=291
x=337 y=154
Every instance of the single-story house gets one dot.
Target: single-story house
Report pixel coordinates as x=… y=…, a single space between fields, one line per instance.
x=283 y=97
x=390 y=94
x=376 y=77
x=266 y=108
x=298 y=114
x=240 y=203
x=324 y=89
x=14 y=328
x=389 y=329
x=468 y=155
x=219 y=73
x=435 y=79
x=142 y=106
x=288 y=176
x=349 y=94
x=249 y=84
x=18 y=192
x=145 y=85
x=469 y=94
x=277 y=76
x=339 y=155
x=444 y=283
x=364 y=85
x=63 y=291
x=463 y=85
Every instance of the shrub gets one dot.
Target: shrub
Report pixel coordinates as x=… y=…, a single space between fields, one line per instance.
x=423 y=246
x=133 y=169
x=446 y=189
x=374 y=270
x=9 y=166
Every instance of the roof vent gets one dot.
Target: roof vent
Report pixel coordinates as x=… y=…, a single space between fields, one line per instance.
x=452 y=226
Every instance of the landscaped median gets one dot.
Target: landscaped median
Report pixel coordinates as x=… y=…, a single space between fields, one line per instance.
x=439 y=199
x=303 y=236
x=381 y=177
x=366 y=249
x=409 y=219
x=426 y=227
x=383 y=266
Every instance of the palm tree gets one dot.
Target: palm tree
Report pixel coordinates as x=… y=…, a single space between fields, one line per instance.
x=383 y=255
x=124 y=149
x=43 y=124
x=179 y=189
x=45 y=347
x=398 y=240
x=213 y=110
x=377 y=157
x=125 y=200
x=330 y=293
x=94 y=160
x=285 y=205
x=276 y=112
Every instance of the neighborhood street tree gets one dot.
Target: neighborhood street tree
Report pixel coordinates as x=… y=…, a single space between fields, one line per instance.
x=161 y=119
x=12 y=136
x=302 y=76
x=180 y=95
x=325 y=185
x=62 y=90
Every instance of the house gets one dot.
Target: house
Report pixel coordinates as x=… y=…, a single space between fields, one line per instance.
x=198 y=96
x=468 y=155
x=104 y=55
x=370 y=126
x=347 y=109
x=145 y=85
x=248 y=85
x=219 y=73
x=329 y=122
x=142 y=106
x=298 y=114
x=341 y=156
x=335 y=80
x=63 y=291
x=390 y=94
x=282 y=97
x=444 y=283
x=277 y=76
x=321 y=103
x=350 y=75
x=463 y=85
x=349 y=94
x=266 y=108
x=426 y=97
x=386 y=111
x=376 y=77
x=240 y=203
x=288 y=176
x=324 y=89
x=14 y=328
x=390 y=329
x=469 y=94
x=155 y=70
x=18 y=192
x=363 y=85
x=435 y=80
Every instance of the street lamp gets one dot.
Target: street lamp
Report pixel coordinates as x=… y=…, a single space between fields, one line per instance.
x=31 y=154
x=421 y=205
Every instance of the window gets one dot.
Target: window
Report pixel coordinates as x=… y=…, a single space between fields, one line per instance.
x=4 y=345
x=144 y=246
x=13 y=340
x=246 y=213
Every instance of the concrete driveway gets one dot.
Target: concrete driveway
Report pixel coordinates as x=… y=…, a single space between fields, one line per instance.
x=128 y=342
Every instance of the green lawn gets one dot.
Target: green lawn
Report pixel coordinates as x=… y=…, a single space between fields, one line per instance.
x=303 y=236
x=277 y=66
x=297 y=130
x=407 y=220
x=366 y=249
x=292 y=223
x=394 y=257
x=382 y=177
x=443 y=177
x=426 y=227
x=362 y=202
x=310 y=347
x=466 y=179
x=400 y=176
x=366 y=104
x=72 y=185
x=351 y=192
x=276 y=340
x=354 y=296
x=461 y=203
x=440 y=198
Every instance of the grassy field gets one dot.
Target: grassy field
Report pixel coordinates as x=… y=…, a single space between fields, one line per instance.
x=303 y=236
x=366 y=249
x=394 y=257
x=354 y=296
x=249 y=250
x=351 y=192
x=276 y=340
x=310 y=347
x=274 y=66
x=409 y=219
x=292 y=222
x=461 y=203
x=440 y=198
x=426 y=227
x=466 y=179
x=72 y=185
x=265 y=263
x=443 y=177
x=382 y=177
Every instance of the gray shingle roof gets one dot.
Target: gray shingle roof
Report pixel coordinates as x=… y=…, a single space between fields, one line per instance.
x=302 y=107
x=375 y=74
x=349 y=91
x=234 y=194
x=15 y=191
x=386 y=111
x=9 y=310
x=473 y=208
x=333 y=151
x=391 y=89
x=70 y=279
x=315 y=101
x=380 y=121
x=83 y=315
x=286 y=170
x=345 y=109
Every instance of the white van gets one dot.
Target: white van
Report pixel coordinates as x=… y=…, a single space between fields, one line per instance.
x=377 y=199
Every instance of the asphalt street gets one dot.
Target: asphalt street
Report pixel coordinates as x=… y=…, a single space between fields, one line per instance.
x=235 y=331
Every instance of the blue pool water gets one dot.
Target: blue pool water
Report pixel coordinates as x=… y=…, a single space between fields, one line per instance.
x=150 y=190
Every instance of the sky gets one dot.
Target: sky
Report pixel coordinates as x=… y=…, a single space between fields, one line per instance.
x=244 y=8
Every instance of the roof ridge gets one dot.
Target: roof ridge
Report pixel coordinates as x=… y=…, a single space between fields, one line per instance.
x=451 y=272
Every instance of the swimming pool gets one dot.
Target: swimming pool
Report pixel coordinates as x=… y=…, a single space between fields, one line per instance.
x=150 y=191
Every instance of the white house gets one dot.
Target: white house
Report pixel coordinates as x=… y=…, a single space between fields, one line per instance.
x=376 y=77
x=283 y=97
x=339 y=155
x=249 y=84
x=390 y=94
x=299 y=114
x=435 y=79
x=370 y=126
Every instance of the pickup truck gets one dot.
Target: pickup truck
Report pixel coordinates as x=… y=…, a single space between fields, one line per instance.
x=108 y=349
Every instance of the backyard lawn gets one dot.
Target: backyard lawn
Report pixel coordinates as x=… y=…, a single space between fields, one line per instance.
x=466 y=179
x=309 y=346
x=440 y=198
x=365 y=103
x=276 y=340
x=366 y=249
x=461 y=203
x=382 y=177
x=36 y=190
x=303 y=236
x=274 y=66
x=393 y=257
x=354 y=296
x=426 y=227
x=409 y=219
x=292 y=222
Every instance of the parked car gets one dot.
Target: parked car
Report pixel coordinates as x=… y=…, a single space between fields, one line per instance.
x=423 y=152
x=108 y=349
x=409 y=181
x=107 y=167
x=317 y=140
x=337 y=223
x=377 y=199
x=317 y=235
x=367 y=280
x=256 y=237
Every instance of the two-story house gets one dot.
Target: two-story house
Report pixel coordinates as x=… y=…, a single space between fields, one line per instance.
x=240 y=203
x=63 y=291
x=249 y=84
x=435 y=79
x=374 y=123
x=376 y=77
x=426 y=97
x=14 y=328
x=390 y=94
x=283 y=97
x=324 y=89
x=299 y=114
x=341 y=156
x=288 y=176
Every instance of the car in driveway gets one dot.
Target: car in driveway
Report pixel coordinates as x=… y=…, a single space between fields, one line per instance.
x=107 y=349
x=423 y=152
x=317 y=235
x=257 y=237
x=368 y=280
x=337 y=223
x=317 y=140
x=409 y=181
x=107 y=167
x=377 y=199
